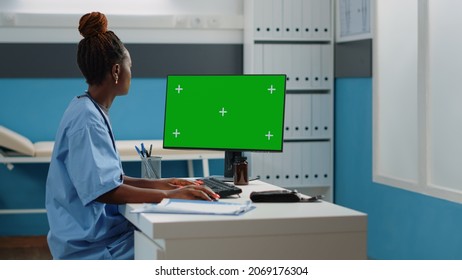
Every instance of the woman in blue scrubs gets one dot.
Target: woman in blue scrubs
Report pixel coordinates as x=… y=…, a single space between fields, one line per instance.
x=85 y=180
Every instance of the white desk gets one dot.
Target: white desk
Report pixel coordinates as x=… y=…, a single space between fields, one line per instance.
x=271 y=231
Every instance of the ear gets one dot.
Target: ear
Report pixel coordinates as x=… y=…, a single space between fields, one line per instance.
x=115 y=72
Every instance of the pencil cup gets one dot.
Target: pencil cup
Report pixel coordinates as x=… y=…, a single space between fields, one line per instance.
x=151 y=167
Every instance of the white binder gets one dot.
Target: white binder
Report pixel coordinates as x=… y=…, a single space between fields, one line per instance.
x=286 y=65
x=288 y=120
x=307 y=125
x=306 y=65
x=258 y=59
x=316 y=109
x=297 y=64
x=306 y=176
x=296 y=164
x=296 y=18
x=316 y=66
x=326 y=116
x=326 y=66
x=267 y=58
x=258 y=13
x=326 y=29
x=320 y=163
x=307 y=25
x=267 y=10
x=316 y=18
x=287 y=26
x=277 y=29
x=285 y=164
x=298 y=107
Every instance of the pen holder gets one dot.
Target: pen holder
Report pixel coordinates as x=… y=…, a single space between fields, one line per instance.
x=151 y=167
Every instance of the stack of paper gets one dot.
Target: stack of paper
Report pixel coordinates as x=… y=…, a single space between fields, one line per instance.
x=182 y=206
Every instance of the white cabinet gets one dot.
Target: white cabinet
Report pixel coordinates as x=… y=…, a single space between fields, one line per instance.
x=295 y=38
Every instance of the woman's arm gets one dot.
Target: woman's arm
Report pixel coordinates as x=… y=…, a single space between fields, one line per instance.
x=160 y=184
x=153 y=191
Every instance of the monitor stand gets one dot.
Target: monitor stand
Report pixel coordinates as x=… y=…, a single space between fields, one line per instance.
x=230 y=158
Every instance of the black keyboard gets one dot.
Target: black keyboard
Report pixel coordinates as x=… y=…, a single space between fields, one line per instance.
x=221 y=188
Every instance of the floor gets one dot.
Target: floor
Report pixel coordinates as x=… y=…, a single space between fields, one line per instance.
x=24 y=248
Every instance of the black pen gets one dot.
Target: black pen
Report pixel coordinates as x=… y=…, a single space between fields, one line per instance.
x=150 y=150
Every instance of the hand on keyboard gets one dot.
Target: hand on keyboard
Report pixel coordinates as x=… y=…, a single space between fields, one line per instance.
x=221 y=188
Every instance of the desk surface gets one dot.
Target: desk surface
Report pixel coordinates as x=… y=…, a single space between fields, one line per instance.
x=267 y=219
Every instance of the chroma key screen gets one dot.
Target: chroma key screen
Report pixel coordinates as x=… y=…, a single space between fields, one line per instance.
x=225 y=112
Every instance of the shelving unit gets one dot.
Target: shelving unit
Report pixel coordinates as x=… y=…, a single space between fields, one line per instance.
x=295 y=38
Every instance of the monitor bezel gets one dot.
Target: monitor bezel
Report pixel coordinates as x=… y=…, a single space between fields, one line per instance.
x=226 y=149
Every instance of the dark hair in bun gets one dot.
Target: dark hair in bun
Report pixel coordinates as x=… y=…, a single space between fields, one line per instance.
x=92 y=24
x=100 y=48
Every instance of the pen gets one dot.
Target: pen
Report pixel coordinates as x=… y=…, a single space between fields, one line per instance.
x=138 y=150
x=143 y=150
x=150 y=150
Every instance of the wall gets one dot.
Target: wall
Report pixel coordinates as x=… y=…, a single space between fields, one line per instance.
x=402 y=224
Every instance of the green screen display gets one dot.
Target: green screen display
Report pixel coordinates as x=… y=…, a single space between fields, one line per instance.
x=239 y=112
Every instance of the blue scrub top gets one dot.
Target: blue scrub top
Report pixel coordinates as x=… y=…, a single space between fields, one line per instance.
x=85 y=165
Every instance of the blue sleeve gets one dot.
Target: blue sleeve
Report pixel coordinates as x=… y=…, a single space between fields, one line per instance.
x=93 y=164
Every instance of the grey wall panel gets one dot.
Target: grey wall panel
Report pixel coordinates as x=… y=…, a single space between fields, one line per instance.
x=149 y=60
x=353 y=59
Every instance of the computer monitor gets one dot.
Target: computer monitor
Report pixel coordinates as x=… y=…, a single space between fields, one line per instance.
x=231 y=113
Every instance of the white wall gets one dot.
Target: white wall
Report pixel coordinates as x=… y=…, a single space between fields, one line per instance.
x=135 y=21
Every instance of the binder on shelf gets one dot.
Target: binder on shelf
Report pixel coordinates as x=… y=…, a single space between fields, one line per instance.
x=297 y=122
x=268 y=57
x=277 y=18
x=297 y=164
x=326 y=66
x=287 y=19
x=266 y=8
x=320 y=163
x=316 y=18
x=306 y=65
x=307 y=29
x=317 y=114
x=305 y=150
x=296 y=18
x=297 y=64
x=288 y=119
x=258 y=59
x=258 y=15
x=306 y=116
x=326 y=115
x=325 y=11
x=286 y=64
x=316 y=66
x=277 y=172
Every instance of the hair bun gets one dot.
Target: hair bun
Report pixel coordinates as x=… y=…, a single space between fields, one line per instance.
x=92 y=24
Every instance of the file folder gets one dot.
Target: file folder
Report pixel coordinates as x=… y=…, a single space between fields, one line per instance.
x=316 y=66
x=296 y=164
x=325 y=11
x=277 y=18
x=287 y=19
x=288 y=117
x=258 y=13
x=306 y=116
x=320 y=163
x=258 y=59
x=296 y=66
x=307 y=19
x=326 y=66
x=296 y=18
x=305 y=149
x=316 y=18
